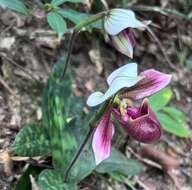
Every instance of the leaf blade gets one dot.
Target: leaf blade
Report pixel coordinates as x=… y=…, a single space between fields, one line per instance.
x=32 y=140
x=57 y=23
x=15 y=5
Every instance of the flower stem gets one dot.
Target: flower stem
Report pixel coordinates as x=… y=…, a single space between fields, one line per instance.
x=68 y=59
x=91 y=124
x=77 y=28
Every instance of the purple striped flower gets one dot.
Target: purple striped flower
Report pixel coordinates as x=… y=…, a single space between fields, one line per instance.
x=139 y=122
x=118 y=24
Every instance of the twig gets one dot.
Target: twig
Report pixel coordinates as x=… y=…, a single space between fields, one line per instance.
x=172 y=66
x=9 y=126
x=6 y=86
x=17 y=65
x=145 y=161
x=160 y=10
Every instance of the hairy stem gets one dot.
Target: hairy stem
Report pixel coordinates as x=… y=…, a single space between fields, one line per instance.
x=68 y=59
x=91 y=124
x=77 y=28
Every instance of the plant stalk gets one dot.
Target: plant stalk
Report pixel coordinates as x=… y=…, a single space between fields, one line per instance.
x=77 y=28
x=91 y=124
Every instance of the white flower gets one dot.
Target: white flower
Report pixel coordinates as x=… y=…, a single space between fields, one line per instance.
x=124 y=77
x=119 y=24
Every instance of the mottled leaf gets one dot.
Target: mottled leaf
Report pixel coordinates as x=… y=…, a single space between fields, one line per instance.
x=118 y=163
x=53 y=180
x=56 y=96
x=32 y=140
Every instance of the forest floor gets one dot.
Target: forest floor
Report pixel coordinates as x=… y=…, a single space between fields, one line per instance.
x=28 y=50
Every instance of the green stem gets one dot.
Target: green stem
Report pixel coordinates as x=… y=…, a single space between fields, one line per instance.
x=77 y=28
x=92 y=124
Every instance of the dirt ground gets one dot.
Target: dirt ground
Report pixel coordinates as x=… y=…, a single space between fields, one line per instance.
x=28 y=49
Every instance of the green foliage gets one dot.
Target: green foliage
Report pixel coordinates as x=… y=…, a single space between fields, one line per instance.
x=59 y=2
x=160 y=99
x=56 y=95
x=73 y=15
x=78 y=17
x=171 y=119
x=15 y=5
x=118 y=163
x=174 y=124
x=53 y=180
x=57 y=23
x=32 y=140
x=24 y=182
x=123 y=179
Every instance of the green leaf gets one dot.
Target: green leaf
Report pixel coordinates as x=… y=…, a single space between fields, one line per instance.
x=15 y=5
x=56 y=96
x=122 y=179
x=24 y=182
x=86 y=162
x=118 y=163
x=53 y=180
x=32 y=140
x=171 y=124
x=57 y=23
x=60 y=2
x=77 y=17
x=175 y=114
x=160 y=99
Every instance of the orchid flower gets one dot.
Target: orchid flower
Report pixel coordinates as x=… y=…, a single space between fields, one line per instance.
x=140 y=122
x=118 y=24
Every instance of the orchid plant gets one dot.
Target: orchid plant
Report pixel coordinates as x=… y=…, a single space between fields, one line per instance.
x=141 y=122
x=125 y=101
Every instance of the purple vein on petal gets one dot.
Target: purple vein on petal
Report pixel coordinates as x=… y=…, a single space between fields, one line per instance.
x=102 y=138
x=153 y=82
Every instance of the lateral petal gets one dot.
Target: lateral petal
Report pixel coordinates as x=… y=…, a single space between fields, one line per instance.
x=102 y=138
x=152 y=82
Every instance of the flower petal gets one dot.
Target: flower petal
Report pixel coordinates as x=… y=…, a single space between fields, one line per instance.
x=121 y=82
x=95 y=99
x=129 y=69
x=102 y=138
x=153 y=82
x=123 y=77
x=119 y=19
x=124 y=42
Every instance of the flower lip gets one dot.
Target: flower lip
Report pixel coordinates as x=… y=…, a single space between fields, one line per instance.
x=142 y=123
